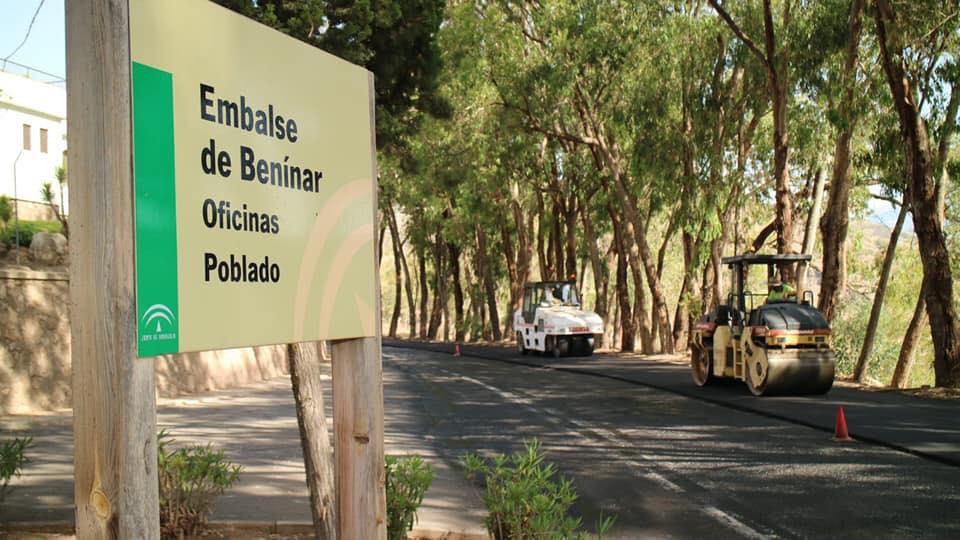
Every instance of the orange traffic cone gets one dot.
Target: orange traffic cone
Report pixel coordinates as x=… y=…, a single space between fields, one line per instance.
x=456 y=349
x=840 y=434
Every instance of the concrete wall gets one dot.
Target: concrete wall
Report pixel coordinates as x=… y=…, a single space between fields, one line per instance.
x=35 y=370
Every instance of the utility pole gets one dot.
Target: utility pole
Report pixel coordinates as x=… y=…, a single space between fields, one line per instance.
x=16 y=205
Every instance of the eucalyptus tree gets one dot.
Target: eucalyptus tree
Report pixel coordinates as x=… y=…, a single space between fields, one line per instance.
x=918 y=44
x=776 y=61
x=848 y=108
x=567 y=70
x=394 y=39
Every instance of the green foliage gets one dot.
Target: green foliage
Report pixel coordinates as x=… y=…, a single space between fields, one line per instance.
x=848 y=329
x=407 y=481
x=190 y=478
x=849 y=326
x=27 y=229
x=46 y=191
x=6 y=210
x=395 y=39
x=525 y=499
x=60 y=173
x=505 y=125
x=12 y=459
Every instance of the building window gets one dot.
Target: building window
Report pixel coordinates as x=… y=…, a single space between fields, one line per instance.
x=26 y=136
x=43 y=141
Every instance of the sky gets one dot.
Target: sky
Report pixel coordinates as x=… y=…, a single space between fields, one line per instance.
x=45 y=47
x=45 y=50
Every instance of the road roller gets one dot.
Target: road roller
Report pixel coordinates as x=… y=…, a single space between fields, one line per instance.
x=552 y=320
x=774 y=340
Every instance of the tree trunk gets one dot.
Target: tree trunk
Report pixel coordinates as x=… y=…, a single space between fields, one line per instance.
x=615 y=330
x=443 y=289
x=307 y=388
x=398 y=285
x=908 y=350
x=408 y=285
x=707 y=281
x=781 y=149
x=486 y=330
x=439 y=288
x=543 y=252
x=623 y=297
x=905 y=361
x=860 y=371
x=524 y=257
x=383 y=234
x=488 y=285
x=924 y=198
x=601 y=277
x=681 y=318
x=665 y=243
x=836 y=218
x=570 y=216
x=777 y=66
x=810 y=232
x=512 y=262
x=422 y=264
x=609 y=154
x=641 y=318
x=610 y=267
x=762 y=236
x=395 y=231
x=459 y=328
x=556 y=243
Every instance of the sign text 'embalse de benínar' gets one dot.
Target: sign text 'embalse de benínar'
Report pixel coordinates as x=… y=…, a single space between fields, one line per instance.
x=253 y=184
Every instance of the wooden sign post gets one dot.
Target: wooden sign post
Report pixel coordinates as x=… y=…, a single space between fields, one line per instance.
x=358 y=443
x=114 y=403
x=134 y=99
x=358 y=418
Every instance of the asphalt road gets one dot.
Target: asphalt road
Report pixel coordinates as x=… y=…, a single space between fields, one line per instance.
x=639 y=441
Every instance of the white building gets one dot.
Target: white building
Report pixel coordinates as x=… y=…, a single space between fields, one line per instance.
x=33 y=141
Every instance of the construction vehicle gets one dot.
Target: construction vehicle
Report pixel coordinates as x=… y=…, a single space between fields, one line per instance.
x=552 y=321
x=776 y=342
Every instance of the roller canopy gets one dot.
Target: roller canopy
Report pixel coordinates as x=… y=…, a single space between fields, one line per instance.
x=761 y=258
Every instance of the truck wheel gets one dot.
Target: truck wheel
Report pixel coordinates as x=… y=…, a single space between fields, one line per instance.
x=520 y=346
x=557 y=342
x=588 y=346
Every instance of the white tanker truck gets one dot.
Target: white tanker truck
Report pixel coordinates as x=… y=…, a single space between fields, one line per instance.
x=551 y=320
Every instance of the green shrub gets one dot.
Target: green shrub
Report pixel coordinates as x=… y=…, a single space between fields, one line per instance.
x=27 y=230
x=12 y=459
x=191 y=478
x=407 y=482
x=524 y=500
x=6 y=210
x=853 y=311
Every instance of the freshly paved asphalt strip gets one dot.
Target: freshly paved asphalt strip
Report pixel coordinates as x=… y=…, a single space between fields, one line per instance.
x=671 y=466
x=926 y=427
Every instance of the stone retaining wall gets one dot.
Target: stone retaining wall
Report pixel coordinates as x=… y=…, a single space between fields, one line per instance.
x=35 y=370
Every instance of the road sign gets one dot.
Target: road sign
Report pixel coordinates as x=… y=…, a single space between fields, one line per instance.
x=254 y=192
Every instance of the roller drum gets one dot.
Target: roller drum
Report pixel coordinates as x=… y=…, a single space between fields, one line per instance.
x=796 y=372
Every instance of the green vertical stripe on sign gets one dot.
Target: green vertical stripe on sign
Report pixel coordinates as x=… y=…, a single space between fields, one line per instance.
x=158 y=325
